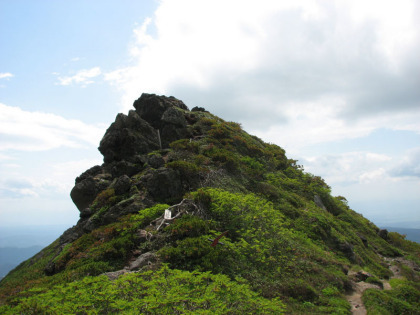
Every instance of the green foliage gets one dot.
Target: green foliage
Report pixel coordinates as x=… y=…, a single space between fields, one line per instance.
x=399 y=241
x=185 y=144
x=187 y=226
x=374 y=280
x=105 y=198
x=404 y=300
x=187 y=169
x=164 y=291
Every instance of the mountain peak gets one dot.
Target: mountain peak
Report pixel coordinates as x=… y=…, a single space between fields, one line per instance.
x=156 y=213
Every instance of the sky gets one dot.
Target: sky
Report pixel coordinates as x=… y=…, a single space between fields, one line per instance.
x=335 y=83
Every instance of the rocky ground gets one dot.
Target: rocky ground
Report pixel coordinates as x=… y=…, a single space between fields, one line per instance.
x=359 y=285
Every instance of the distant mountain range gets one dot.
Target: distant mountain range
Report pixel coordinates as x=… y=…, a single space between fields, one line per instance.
x=10 y=257
x=18 y=243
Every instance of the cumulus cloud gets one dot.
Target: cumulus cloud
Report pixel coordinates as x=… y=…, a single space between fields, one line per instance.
x=17 y=188
x=350 y=168
x=36 y=131
x=55 y=180
x=82 y=77
x=409 y=166
x=6 y=75
x=320 y=68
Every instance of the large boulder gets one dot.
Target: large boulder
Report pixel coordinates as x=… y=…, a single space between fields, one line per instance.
x=151 y=107
x=128 y=136
x=85 y=191
x=163 y=185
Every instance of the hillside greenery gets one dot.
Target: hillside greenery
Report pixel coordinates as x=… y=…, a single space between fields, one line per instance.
x=281 y=251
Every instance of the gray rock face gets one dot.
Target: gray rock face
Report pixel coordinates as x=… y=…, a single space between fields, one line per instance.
x=174 y=117
x=93 y=171
x=151 y=107
x=128 y=136
x=122 y=185
x=126 y=147
x=155 y=161
x=143 y=260
x=164 y=185
x=84 y=192
x=117 y=169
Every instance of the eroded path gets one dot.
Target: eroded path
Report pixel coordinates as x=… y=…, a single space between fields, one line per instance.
x=358 y=287
x=355 y=297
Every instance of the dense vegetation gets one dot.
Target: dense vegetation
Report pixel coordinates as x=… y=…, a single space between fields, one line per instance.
x=287 y=244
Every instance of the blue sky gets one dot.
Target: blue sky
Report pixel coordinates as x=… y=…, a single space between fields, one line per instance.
x=334 y=83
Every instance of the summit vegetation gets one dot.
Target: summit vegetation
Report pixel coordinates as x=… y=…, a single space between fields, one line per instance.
x=189 y=214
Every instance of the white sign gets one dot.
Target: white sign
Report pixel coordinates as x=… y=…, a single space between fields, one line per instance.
x=168 y=214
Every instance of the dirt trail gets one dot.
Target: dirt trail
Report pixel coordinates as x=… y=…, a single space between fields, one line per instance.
x=355 y=297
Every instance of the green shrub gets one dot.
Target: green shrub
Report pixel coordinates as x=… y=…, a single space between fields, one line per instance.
x=374 y=280
x=403 y=300
x=164 y=291
x=187 y=226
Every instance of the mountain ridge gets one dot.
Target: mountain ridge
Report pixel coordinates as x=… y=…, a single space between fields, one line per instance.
x=173 y=181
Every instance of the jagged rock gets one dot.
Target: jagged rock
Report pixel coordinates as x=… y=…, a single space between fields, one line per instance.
x=198 y=109
x=86 y=213
x=163 y=184
x=172 y=133
x=128 y=136
x=120 y=168
x=93 y=171
x=155 y=161
x=383 y=234
x=151 y=107
x=143 y=260
x=174 y=116
x=84 y=192
x=131 y=205
x=70 y=235
x=122 y=185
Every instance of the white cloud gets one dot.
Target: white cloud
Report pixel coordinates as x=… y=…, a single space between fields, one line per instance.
x=82 y=77
x=63 y=174
x=350 y=168
x=37 y=131
x=409 y=166
x=327 y=70
x=6 y=75
x=49 y=181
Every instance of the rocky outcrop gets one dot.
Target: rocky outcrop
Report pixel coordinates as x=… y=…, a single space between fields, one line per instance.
x=128 y=136
x=151 y=108
x=85 y=191
x=126 y=146
x=156 y=122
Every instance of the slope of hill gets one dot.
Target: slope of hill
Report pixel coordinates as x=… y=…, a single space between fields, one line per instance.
x=410 y=234
x=189 y=214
